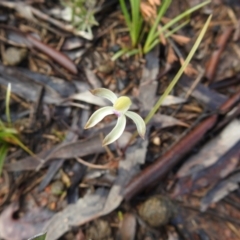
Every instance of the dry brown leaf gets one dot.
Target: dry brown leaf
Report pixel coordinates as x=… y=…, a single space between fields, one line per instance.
x=162 y=37
x=148 y=12
x=189 y=70
x=181 y=39
x=155 y=2
x=171 y=56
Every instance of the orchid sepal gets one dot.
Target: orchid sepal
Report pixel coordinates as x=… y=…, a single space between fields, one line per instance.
x=116 y=132
x=105 y=93
x=140 y=124
x=98 y=116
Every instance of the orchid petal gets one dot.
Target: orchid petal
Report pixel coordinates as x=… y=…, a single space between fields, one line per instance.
x=105 y=93
x=116 y=132
x=140 y=124
x=98 y=116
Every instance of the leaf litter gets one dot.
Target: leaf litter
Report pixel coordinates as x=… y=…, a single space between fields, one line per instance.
x=98 y=195
x=127 y=168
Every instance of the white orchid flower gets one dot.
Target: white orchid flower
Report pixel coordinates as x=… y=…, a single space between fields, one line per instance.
x=120 y=109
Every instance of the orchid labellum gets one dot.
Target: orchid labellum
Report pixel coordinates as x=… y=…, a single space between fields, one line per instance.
x=120 y=109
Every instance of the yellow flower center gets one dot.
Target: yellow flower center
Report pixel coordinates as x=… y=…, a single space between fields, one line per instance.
x=122 y=104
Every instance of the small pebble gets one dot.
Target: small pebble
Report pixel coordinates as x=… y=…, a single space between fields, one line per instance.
x=115 y=48
x=13 y=56
x=57 y=187
x=106 y=68
x=99 y=229
x=156 y=211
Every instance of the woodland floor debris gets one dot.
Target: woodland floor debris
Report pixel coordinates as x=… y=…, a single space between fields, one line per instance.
x=77 y=189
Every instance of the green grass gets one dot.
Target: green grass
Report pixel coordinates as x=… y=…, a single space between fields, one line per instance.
x=136 y=25
x=134 y=21
x=9 y=135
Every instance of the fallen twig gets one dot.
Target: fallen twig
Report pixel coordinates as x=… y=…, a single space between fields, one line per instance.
x=213 y=62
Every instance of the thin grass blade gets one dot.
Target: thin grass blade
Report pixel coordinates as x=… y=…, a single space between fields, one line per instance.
x=181 y=16
x=125 y=13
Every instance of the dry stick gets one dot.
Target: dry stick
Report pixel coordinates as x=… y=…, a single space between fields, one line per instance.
x=32 y=42
x=230 y=103
x=213 y=62
x=226 y=82
x=62 y=59
x=158 y=170
x=110 y=165
x=195 y=83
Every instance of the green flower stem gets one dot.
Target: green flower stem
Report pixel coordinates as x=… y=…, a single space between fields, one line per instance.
x=180 y=72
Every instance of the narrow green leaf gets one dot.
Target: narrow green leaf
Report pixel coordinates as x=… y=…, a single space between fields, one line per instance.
x=132 y=52
x=155 y=34
x=20 y=144
x=153 y=44
x=125 y=13
x=119 y=54
x=8 y=136
x=6 y=130
x=182 y=15
x=3 y=153
x=135 y=8
x=150 y=38
x=169 y=33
